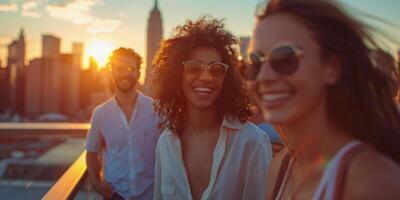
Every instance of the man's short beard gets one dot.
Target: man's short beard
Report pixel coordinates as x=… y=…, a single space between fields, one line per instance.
x=125 y=90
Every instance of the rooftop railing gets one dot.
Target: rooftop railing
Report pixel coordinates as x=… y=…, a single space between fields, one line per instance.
x=70 y=182
x=32 y=129
x=43 y=160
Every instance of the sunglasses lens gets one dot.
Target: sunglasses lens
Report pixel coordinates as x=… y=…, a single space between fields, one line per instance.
x=217 y=70
x=253 y=66
x=284 y=60
x=123 y=69
x=193 y=68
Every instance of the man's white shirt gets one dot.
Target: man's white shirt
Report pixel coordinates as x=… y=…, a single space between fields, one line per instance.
x=128 y=147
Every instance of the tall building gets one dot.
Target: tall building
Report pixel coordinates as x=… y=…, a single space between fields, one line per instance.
x=50 y=46
x=154 y=37
x=74 y=77
x=36 y=85
x=33 y=88
x=16 y=50
x=87 y=86
x=77 y=54
x=64 y=64
x=51 y=87
x=3 y=90
x=52 y=83
x=16 y=74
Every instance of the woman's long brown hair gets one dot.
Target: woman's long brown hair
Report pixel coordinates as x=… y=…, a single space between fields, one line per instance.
x=361 y=103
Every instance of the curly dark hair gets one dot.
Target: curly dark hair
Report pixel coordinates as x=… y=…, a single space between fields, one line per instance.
x=170 y=103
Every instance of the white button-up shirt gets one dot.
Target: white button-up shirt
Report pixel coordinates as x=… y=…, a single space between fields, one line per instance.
x=239 y=169
x=128 y=147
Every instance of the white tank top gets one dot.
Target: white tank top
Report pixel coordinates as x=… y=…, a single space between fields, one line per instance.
x=329 y=178
x=326 y=187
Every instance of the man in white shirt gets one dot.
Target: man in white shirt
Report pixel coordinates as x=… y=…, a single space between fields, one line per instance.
x=124 y=129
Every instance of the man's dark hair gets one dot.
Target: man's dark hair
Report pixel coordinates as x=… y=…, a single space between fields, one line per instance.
x=126 y=52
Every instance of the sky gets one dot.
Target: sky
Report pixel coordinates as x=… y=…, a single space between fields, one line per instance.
x=124 y=22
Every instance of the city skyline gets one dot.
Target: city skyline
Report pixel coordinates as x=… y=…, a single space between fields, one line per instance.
x=124 y=22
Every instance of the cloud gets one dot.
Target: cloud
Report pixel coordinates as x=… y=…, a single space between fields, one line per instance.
x=121 y=15
x=76 y=11
x=103 y=26
x=8 y=6
x=28 y=9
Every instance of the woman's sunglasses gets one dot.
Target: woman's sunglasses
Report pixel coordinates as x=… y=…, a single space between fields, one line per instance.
x=283 y=59
x=195 y=68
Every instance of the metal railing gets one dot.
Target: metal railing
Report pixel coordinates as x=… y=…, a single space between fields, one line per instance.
x=33 y=129
x=68 y=185
x=72 y=184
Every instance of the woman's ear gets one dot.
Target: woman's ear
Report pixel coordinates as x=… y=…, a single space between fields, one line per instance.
x=333 y=70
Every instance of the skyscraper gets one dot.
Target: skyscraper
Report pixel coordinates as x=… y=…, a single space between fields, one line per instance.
x=4 y=90
x=50 y=46
x=154 y=37
x=51 y=73
x=52 y=81
x=16 y=51
x=68 y=103
x=36 y=85
x=74 y=81
x=87 y=82
x=77 y=53
x=15 y=74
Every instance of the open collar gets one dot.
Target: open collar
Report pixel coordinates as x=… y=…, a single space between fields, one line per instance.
x=230 y=123
x=139 y=100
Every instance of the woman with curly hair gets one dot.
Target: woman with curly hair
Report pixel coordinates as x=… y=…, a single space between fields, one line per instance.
x=208 y=149
x=312 y=73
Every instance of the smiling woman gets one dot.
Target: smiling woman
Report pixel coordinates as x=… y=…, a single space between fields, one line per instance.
x=99 y=50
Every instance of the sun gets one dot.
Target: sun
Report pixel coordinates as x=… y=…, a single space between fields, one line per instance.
x=99 y=50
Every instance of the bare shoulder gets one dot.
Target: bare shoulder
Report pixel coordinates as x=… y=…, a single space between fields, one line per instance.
x=373 y=175
x=274 y=170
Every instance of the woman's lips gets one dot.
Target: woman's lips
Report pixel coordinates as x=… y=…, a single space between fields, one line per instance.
x=275 y=99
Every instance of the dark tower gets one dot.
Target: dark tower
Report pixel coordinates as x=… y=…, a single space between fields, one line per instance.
x=16 y=74
x=154 y=37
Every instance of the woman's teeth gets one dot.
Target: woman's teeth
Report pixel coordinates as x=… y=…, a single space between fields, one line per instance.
x=276 y=96
x=202 y=89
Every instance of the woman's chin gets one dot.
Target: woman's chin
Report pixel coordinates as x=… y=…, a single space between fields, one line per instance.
x=276 y=118
x=202 y=105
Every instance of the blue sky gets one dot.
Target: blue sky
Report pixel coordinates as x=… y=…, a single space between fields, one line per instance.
x=124 y=22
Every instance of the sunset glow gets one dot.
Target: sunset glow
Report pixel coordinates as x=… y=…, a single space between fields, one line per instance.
x=99 y=50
